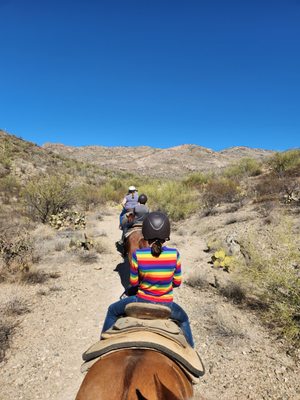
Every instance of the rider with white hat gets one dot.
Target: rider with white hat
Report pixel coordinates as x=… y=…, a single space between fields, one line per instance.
x=129 y=202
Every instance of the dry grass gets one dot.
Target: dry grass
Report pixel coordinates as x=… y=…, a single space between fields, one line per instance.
x=234 y=292
x=227 y=325
x=197 y=280
x=59 y=245
x=34 y=276
x=100 y=247
x=56 y=288
x=87 y=257
x=7 y=328
x=16 y=306
x=273 y=252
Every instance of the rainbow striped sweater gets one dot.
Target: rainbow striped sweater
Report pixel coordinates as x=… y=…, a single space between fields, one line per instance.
x=155 y=276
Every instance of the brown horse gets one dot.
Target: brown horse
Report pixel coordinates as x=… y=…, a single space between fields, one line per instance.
x=133 y=242
x=135 y=374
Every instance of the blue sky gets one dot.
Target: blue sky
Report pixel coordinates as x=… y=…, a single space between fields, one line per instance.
x=159 y=73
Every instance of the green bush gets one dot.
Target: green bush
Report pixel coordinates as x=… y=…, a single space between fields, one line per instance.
x=283 y=162
x=197 y=180
x=89 y=196
x=174 y=198
x=45 y=196
x=244 y=168
x=109 y=193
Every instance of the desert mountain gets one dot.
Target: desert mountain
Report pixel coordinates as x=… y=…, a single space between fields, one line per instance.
x=174 y=161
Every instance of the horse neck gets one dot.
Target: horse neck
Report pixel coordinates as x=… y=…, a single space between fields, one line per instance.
x=143 y=243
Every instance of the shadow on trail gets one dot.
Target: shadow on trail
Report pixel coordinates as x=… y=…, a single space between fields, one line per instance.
x=123 y=269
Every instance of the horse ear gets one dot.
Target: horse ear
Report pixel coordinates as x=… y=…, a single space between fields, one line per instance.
x=139 y=395
x=163 y=392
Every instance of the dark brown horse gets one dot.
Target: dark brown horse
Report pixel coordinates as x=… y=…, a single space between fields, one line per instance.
x=135 y=374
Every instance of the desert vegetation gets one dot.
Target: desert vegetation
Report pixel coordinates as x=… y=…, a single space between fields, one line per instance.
x=46 y=199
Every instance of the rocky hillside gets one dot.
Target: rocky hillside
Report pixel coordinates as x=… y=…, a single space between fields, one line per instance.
x=174 y=161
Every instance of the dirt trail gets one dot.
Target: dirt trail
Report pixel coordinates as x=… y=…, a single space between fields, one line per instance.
x=45 y=356
x=44 y=360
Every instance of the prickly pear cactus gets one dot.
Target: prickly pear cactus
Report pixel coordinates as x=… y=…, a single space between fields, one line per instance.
x=221 y=260
x=68 y=218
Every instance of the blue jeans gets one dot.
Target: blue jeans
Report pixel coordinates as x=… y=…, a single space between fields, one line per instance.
x=123 y=212
x=117 y=310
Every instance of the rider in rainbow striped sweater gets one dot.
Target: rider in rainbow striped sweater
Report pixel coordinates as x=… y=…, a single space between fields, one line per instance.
x=155 y=277
x=154 y=271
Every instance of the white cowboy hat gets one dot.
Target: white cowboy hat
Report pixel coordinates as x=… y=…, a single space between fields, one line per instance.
x=132 y=188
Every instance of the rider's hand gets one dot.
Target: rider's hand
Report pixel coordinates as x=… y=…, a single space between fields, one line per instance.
x=131 y=290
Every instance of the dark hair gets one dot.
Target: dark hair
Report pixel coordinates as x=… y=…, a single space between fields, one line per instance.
x=156 y=247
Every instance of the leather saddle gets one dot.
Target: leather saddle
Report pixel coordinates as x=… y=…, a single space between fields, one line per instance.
x=147 y=326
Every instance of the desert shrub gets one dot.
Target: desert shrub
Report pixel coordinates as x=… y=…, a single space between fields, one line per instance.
x=227 y=327
x=47 y=196
x=197 y=280
x=274 y=279
x=283 y=162
x=112 y=192
x=15 y=306
x=9 y=187
x=275 y=187
x=100 y=246
x=81 y=244
x=244 y=168
x=33 y=277
x=220 y=190
x=5 y=158
x=197 y=180
x=89 y=196
x=59 y=245
x=6 y=330
x=234 y=292
x=173 y=198
x=87 y=257
x=16 y=251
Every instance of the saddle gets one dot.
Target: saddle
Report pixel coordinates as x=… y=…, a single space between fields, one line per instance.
x=147 y=326
x=136 y=227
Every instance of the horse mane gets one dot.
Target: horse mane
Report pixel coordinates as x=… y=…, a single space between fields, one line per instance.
x=129 y=371
x=131 y=363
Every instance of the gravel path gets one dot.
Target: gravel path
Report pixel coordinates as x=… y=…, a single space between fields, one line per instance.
x=44 y=359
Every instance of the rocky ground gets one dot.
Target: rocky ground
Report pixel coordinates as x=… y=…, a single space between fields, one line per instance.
x=242 y=359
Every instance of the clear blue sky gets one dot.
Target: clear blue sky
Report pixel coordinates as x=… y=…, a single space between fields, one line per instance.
x=151 y=72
